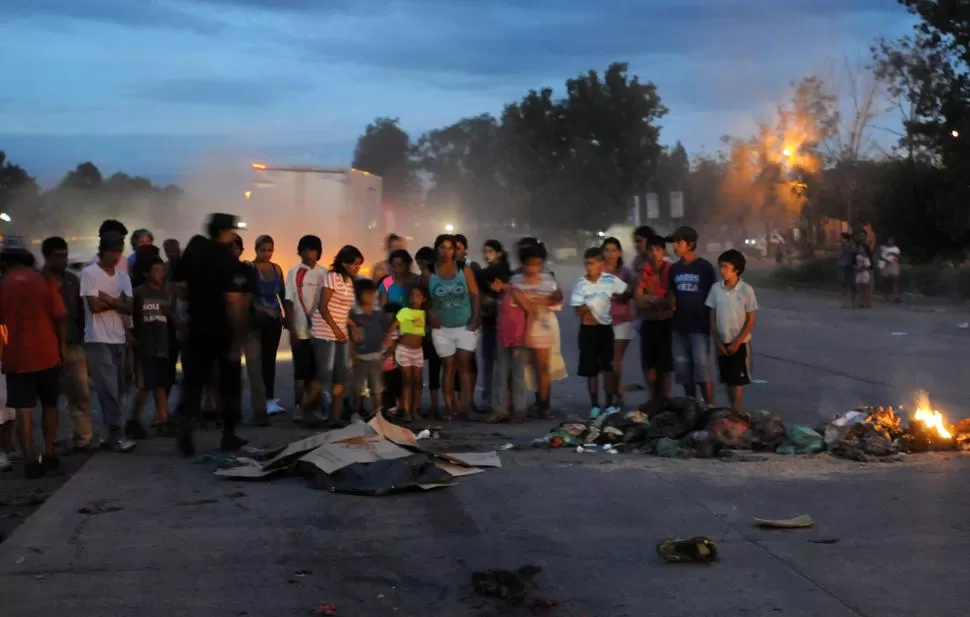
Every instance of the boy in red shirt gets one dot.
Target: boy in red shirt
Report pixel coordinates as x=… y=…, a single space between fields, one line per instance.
x=35 y=316
x=656 y=339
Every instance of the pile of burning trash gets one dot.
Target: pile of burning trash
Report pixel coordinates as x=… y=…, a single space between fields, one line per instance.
x=685 y=428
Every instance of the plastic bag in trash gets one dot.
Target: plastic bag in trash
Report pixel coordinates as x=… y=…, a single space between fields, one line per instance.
x=671 y=448
x=767 y=431
x=802 y=440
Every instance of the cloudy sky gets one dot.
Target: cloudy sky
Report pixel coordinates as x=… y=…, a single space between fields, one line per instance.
x=156 y=87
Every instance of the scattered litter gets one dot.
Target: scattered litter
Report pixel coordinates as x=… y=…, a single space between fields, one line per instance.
x=900 y=333
x=695 y=550
x=824 y=540
x=98 y=508
x=505 y=447
x=327 y=608
x=512 y=586
x=580 y=449
x=302 y=573
x=964 y=326
x=759 y=381
x=425 y=434
x=802 y=521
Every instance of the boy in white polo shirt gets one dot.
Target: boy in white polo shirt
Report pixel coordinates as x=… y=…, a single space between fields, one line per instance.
x=733 y=308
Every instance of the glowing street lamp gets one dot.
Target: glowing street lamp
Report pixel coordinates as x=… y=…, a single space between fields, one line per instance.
x=5 y=217
x=954 y=133
x=449 y=228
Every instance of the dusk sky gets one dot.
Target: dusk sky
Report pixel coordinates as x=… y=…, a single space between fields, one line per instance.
x=158 y=86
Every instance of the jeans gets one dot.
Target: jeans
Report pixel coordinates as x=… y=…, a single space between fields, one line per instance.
x=509 y=374
x=693 y=358
x=489 y=347
x=369 y=376
x=254 y=372
x=201 y=355
x=74 y=385
x=106 y=363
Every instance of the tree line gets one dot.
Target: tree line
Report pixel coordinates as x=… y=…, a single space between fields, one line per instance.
x=884 y=142
x=82 y=199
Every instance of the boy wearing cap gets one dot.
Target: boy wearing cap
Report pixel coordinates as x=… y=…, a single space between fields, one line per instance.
x=107 y=294
x=691 y=279
x=301 y=295
x=733 y=307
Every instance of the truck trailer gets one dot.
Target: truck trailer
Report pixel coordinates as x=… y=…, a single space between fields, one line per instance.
x=341 y=205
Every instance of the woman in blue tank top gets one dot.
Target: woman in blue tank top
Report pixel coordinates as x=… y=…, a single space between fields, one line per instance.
x=396 y=286
x=455 y=322
x=265 y=331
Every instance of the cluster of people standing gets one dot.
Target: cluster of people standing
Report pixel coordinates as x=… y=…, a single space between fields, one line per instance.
x=862 y=270
x=359 y=344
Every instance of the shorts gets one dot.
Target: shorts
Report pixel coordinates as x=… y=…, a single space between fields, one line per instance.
x=25 y=390
x=154 y=373
x=407 y=357
x=447 y=341
x=304 y=363
x=595 y=350
x=735 y=370
x=332 y=361
x=693 y=361
x=623 y=331
x=656 y=346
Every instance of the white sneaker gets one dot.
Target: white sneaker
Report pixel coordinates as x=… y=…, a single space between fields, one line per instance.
x=273 y=407
x=5 y=464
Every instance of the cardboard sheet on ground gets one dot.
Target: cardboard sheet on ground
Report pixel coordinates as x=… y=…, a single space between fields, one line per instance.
x=378 y=441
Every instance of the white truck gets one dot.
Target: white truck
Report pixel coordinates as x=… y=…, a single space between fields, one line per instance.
x=341 y=205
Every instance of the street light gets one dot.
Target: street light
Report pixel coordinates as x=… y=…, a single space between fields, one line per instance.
x=786 y=153
x=449 y=228
x=954 y=133
x=5 y=217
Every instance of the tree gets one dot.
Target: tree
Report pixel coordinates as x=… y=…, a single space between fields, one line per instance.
x=84 y=177
x=582 y=157
x=385 y=150
x=613 y=140
x=18 y=190
x=464 y=162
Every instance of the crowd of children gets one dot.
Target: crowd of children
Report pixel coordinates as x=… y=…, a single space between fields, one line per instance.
x=354 y=338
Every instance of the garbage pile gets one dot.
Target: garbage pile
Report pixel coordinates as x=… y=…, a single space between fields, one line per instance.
x=674 y=428
x=686 y=428
x=376 y=458
x=877 y=433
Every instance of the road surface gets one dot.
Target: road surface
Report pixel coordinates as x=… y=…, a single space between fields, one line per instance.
x=893 y=536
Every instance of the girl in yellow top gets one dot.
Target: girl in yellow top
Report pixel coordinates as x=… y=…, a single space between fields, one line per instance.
x=411 y=324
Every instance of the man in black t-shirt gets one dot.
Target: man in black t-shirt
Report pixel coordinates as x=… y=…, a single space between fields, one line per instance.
x=216 y=286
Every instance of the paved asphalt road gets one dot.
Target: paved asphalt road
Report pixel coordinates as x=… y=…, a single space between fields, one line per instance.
x=185 y=543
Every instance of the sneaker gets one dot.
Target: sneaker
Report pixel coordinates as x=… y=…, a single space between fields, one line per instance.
x=34 y=469
x=134 y=430
x=594 y=413
x=5 y=464
x=117 y=444
x=612 y=409
x=231 y=442
x=273 y=407
x=50 y=463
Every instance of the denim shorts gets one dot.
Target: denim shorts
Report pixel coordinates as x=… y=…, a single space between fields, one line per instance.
x=693 y=358
x=333 y=362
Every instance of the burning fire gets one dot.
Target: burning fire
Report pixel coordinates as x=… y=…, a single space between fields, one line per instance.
x=930 y=418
